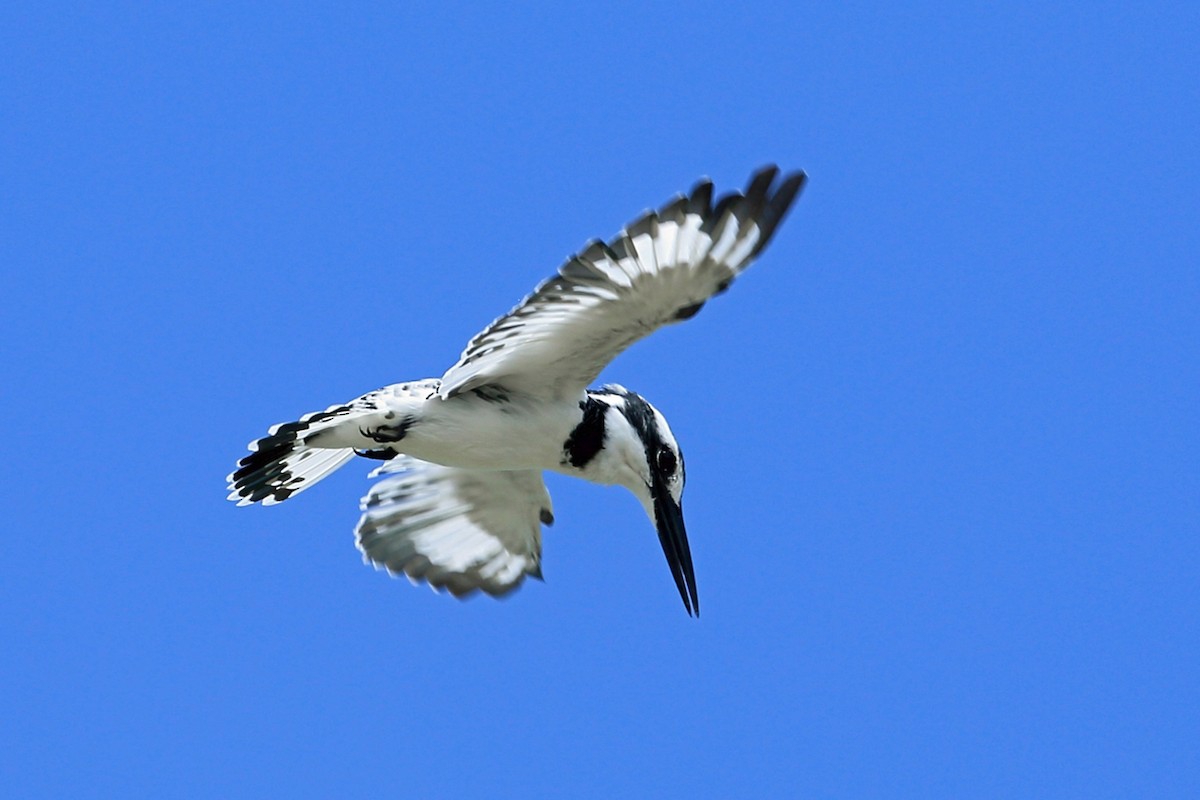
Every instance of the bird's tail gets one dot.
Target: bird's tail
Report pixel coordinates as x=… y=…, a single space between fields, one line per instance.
x=282 y=464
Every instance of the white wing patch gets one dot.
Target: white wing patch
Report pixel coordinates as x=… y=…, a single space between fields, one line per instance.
x=458 y=529
x=659 y=270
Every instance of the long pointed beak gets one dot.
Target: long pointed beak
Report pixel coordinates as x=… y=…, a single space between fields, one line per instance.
x=668 y=517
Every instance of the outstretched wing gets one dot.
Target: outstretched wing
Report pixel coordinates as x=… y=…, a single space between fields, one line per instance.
x=459 y=529
x=660 y=269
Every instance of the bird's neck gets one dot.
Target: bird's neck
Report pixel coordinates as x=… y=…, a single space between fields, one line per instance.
x=603 y=447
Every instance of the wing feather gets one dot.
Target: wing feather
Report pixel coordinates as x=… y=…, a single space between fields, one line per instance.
x=456 y=529
x=659 y=270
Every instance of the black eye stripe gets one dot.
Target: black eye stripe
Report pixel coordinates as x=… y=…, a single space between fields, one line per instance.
x=640 y=415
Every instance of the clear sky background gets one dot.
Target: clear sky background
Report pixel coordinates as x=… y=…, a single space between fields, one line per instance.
x=942 y=440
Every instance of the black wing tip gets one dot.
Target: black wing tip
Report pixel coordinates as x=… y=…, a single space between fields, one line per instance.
x=756 y=202
x=700 y=200
x=789 y=189
x=761 y=180
x=723 y=205
x=673 y=207
x=776 y=206
x=643 y=225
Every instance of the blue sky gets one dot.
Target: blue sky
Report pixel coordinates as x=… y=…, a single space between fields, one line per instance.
x=941 y=440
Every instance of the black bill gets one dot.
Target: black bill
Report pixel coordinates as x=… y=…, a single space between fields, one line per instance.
x=668 y=516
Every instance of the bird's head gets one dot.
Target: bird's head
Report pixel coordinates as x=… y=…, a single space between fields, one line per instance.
x=639 y=452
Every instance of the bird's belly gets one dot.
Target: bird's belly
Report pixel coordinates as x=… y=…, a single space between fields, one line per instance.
x=480 y=434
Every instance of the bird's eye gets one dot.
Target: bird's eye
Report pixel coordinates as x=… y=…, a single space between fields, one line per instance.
x=666 y=461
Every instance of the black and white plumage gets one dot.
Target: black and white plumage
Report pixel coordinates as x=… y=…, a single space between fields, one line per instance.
x=460 y=501
x=462 y=529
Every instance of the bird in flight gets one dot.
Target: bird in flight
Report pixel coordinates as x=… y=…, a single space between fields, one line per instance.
x=461 y=501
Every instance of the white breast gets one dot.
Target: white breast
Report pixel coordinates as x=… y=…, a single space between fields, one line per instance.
x=516 y=432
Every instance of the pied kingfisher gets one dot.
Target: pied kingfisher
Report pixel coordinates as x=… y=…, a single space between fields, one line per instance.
x=463 y=500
